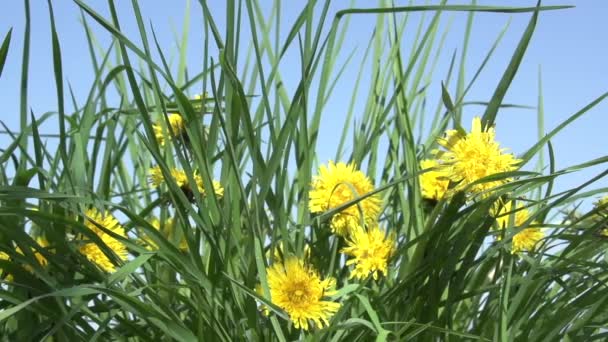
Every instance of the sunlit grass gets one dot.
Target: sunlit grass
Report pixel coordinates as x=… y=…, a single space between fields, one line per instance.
x=165 y=215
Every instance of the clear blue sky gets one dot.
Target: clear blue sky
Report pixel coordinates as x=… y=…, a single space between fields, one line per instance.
x=570 y=45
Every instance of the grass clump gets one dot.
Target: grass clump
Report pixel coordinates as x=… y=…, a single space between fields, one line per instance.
x=161 y=214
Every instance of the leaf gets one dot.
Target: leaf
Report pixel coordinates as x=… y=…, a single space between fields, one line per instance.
x=4 y=49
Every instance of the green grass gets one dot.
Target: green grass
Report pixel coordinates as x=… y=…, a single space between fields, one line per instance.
x=448 y=280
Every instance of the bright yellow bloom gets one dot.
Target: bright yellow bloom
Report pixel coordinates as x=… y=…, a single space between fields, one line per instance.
x=176 y=128
x=92 y=251
x=602 y=213
x=434 y=184
x=42 y=242
x=5 y=257
x=340 y=183
x=526 y=239
x=298 y=289
x=39 y=257
x=370 y=250
x=473 y=156
x=168 y=232
x=603 y=203
x=180 y=177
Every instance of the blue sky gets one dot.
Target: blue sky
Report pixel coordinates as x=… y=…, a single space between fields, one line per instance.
x=569 y=45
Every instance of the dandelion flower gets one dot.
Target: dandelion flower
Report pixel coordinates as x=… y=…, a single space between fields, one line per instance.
x=473 y=156
x=601 y=206
x=434 y=183
x=168 y=232
x=92 y=251
x=181 y=179
x=43 y=243
x=298 y=290
x=176 y=129
x=370 y=250
x=526 y=239
x=340 y=183
x=8 y=276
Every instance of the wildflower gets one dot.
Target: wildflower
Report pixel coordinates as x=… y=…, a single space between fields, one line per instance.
x=434 y=183
x=299 y=290
x=473 y=156
x=340 y=183
x=169 y=230
x=181 y=179
x=602 y=213
x=8 y=276
x=43 y=243
x=370 y=250
x=92 y=251
x=524 y=240
x=176 y=128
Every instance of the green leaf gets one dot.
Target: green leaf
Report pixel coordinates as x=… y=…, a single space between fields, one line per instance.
x=4 y=49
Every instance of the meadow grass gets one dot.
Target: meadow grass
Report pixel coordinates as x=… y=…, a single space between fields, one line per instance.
x=187 y=263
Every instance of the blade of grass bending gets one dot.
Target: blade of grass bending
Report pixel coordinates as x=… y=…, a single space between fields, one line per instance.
x=38 y=152
x=25 y=62
x=532 y=151
x=4 y=49
x=455 y=8
x=57 y=68
x=489 y=116
x=463 y=55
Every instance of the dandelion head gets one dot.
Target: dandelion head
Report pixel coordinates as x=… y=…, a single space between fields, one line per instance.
x=337 y=184
x=370 y=251
x=434 y=183
x=43 y=243
x=91 y=250
x=181 y=179
x=299 y=290
x=472 y=156
x=3 y=273
x=176 y=128
x=526 y=239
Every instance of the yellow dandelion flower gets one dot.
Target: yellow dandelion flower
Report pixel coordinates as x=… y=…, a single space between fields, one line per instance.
x=176 y=128
x=434 y=184
x=526 y=239
x=42 y=242
x=3 y=273
x=470 y=157
x=602 y=205
x=370 y=250
x=92 y=251
x=181 y=179
x=168 y=232
x=201 y=96
x=340 y=183
x=299 y=291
